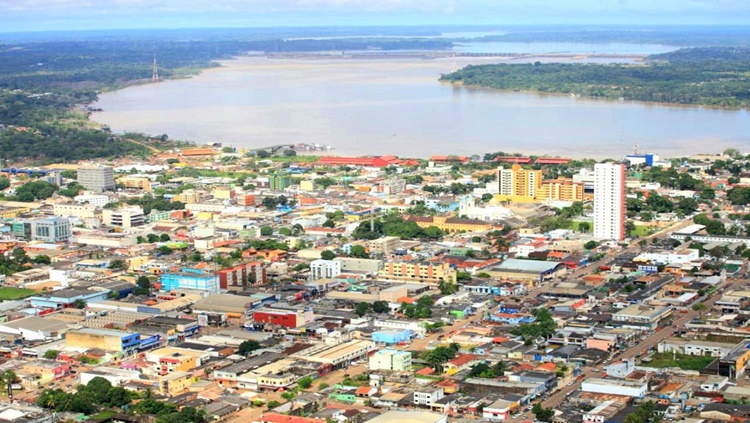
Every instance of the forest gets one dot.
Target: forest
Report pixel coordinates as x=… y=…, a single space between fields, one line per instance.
x=700 y=76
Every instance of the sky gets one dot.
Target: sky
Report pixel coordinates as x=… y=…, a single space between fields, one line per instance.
x=41 y=15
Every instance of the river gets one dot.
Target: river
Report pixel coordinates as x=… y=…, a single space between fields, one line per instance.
x=398 y=106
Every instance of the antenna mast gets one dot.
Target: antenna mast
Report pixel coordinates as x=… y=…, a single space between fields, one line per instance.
x=155 y=72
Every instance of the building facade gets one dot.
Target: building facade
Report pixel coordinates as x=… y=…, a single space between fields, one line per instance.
x=518 y=184
x=187 y=278
x=324 y=269
x=97 y=178
x=56 y=229
x=609 y=201
x=129 y=217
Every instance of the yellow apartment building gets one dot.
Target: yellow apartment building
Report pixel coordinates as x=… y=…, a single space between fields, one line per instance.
x=517 y=184
x=422 y=272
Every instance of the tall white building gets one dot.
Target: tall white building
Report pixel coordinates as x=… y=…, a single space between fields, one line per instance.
x=97 y=178
x=609 y=201
x=324 y=269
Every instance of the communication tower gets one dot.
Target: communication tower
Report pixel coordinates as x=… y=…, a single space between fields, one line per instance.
x=155 y=72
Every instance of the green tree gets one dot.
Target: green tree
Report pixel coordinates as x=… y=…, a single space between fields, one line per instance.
x=248 y=346
x=584 y=227
x=152 y=238
x=327 y=255
x=305 y=382
x=358 y=251
x=42 y=259
x=4 y=183
x=164 y=238
x=542 y=414
x=700 y=307
x=164 y=250
x=362 y=309
x=590 y=245
x=118 y=264
x=51 y=354
x=285 y=231
x=380 y=307
x=266 y=230
x=79 y=303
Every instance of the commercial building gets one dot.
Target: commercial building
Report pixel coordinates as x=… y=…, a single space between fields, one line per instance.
x=384 y=245
x=188 y=278
x=128 y=217
x=390 y=360
x=615 y=387
x=422 y=272
x=96 y=200
x=409 y=417
x=518 y=184
x=97 y=178
x=642 y=315
x=324 y=269
x=105 y=339
x=450 y=224
x=56 y=229
x=286 y=318
x=135 y=182
x=609 y=201
x=337 y=356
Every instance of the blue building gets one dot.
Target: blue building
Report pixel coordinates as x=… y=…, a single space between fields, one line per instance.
x=391 y=336
x=442 y=204
x=188 y=278
x=66 y=297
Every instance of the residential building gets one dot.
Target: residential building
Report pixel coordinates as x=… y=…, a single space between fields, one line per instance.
x=609 y=201
x=423 y=272
x=518 y=184
x=126 y=218
x=135 y=182
x=96 y=200
x=389 y=359
x=560 y=189
x=81 y=211
x=324 y=269
x=55 y=229
x=243 y=276
x=428 y=395
x=642 y=315
x=97 y=178
x=279 y=181
x=383 y=246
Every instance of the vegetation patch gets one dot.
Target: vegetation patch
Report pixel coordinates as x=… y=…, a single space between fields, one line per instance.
x=11 y=293
x=682 y=361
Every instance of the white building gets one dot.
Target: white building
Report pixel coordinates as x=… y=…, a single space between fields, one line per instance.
x=609 y=201
x=93 y=199
x=615 y=387
x=127 y=217
x=467 y=207
x=670 y=257
x=428 y=395
x=324 y=269
x=389 y=359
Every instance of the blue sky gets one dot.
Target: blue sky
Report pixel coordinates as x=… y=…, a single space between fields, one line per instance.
x=38 y=15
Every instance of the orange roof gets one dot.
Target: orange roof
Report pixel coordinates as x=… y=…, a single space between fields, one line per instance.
x=499 y=340
x=198 y=152
x=363 y=390
x=426 y=371
x=550 y=367
x=406 y=300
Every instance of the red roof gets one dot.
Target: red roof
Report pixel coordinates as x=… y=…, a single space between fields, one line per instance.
x=283 y=418
x=513 y=159
x=552 y=161
x=463 y=359
x=354 y=161
x=425 y=371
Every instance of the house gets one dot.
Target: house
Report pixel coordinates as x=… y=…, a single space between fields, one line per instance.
x=461 y=362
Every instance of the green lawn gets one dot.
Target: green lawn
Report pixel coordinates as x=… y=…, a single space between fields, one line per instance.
x=682 y=361
x=11 y=293
x=642 y=230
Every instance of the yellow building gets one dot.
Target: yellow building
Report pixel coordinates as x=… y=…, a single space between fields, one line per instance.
x=518 y=184
x=135 y=182
x=307 y=185
x=105 y=339
x=561 y=189
x=450 y=224
x=223 y=193
x=189 y=196
x=12 y=213
x=169 y=360
x=424 y=272
x=174 y=383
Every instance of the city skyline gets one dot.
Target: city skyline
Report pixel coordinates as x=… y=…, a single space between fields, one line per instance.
x=48 y=15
